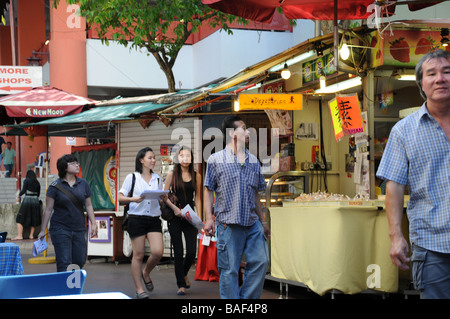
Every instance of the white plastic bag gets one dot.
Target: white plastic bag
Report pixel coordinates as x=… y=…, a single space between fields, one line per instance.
x=127 y=248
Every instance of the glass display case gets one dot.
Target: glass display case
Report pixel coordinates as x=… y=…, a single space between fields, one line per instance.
x=286 y=186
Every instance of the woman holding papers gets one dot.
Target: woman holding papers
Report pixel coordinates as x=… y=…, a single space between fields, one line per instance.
x=143 y=219
x=186 y=184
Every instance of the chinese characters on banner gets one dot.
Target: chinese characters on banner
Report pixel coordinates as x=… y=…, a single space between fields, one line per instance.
x=346 y=116
x=348 y=120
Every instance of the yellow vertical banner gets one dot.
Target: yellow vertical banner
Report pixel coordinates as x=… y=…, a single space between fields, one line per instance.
x=336 y=119
x=350 y=113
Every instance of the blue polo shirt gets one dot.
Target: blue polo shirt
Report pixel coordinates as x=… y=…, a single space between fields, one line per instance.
x=235 y=186
x=417 y=154
x=65 y=214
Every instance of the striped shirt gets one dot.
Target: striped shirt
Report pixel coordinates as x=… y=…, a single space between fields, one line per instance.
x=235 y=186
x=418 y=155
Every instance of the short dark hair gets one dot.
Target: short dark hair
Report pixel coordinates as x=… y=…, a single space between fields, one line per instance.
x=436 y=54
x=62 y=163
x=139 y=156
x=227 y=123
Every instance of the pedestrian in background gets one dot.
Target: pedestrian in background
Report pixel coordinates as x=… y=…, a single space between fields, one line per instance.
x=29 y=214
x=66 y=215
x=186 y=185
x=234 y=176
x=143 y=219
x=9 y=159
x=417 y=154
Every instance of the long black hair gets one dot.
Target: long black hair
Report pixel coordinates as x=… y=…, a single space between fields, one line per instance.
x=140 y=155
x=177 y=180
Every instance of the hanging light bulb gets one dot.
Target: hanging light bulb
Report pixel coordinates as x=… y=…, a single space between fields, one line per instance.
x=344 y=52
x=323 y=83
x=445 y=40
x=285 y=73
x=236 y=105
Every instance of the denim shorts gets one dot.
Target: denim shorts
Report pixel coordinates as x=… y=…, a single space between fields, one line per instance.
x=142 y=225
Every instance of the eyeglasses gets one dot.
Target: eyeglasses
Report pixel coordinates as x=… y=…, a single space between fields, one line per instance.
x=74 y=163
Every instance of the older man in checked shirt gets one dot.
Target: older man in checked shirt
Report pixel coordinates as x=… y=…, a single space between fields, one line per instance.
x=418 y=155
x=234 y=175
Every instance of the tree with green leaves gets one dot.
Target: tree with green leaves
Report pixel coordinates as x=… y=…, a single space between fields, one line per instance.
x=159 y=26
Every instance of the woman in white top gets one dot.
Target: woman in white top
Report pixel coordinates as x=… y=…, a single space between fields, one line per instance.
x=143 y=219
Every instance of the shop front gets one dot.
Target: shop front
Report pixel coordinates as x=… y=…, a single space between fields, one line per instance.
x=327 y=212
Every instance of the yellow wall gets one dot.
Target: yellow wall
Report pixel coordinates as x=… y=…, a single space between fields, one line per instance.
x=337 y=179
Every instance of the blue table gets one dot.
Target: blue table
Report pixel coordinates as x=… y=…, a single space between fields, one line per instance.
x=10 y=260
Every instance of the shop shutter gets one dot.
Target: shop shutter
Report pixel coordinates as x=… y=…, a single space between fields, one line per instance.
x=132 y=138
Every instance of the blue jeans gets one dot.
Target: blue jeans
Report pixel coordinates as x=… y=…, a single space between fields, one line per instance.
x=431 y=273
x=233 y=241
x=9 y=169
x=70 y=248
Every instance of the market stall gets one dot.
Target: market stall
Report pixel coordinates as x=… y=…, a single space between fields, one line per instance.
x=329 y=246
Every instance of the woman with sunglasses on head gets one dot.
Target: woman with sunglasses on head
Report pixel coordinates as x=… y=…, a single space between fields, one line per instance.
x=143 y=219
x=68 y=222
x=186 y=185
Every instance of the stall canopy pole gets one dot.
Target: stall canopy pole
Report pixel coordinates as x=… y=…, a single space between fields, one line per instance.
x=13 y=32
x=336 y=36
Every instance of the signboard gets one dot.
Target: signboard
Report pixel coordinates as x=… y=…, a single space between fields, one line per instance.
x=270 y=101
x=314 y=68
x=346 y=116
x=15 y=79
x=403 y=48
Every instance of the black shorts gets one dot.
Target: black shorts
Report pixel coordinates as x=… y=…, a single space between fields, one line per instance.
x=142 y=225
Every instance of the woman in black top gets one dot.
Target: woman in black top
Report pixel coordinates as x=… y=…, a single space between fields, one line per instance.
x=30 y=210
x=186 y=184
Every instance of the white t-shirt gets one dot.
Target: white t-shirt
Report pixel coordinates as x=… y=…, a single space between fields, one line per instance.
x=146 y=207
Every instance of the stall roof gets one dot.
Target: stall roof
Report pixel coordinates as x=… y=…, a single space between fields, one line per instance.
x=120 y=112
x=95 y=122
x=247 y=74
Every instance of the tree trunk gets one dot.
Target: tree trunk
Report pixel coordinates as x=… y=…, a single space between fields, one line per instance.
x=167 y=71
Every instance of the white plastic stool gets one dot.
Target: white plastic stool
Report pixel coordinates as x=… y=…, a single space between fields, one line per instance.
x=40 y=164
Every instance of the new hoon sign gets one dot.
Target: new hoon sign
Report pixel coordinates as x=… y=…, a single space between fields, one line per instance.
x=15 y=79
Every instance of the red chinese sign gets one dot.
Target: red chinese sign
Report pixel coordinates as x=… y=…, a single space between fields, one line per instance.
x=346 y=116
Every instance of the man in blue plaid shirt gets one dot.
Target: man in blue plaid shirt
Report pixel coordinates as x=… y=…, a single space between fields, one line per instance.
x=418 y=155
x=234 y=175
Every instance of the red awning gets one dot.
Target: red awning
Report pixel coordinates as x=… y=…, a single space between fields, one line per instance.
x=43 y=102
x=263 y=10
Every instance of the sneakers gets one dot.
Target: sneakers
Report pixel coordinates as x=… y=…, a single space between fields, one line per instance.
x=142 y=295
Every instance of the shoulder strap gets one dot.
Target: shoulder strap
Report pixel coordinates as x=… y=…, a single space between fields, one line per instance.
x=130 y=194
x=71 y=197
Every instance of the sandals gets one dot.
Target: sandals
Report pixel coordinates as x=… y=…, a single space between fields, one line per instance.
x=181 y=291
x=148 y=285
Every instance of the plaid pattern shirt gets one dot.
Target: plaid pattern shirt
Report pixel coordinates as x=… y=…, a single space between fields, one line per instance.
x=10 y=260
x=418 y=155
x=235 y=186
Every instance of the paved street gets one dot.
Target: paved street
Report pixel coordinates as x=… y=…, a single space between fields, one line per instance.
x=111 y=277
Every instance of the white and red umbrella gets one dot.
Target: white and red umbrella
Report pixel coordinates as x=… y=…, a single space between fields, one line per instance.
x=42 y=103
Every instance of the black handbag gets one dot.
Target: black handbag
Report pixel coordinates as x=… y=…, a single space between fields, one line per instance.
x=167 y=212
x=127 y=206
